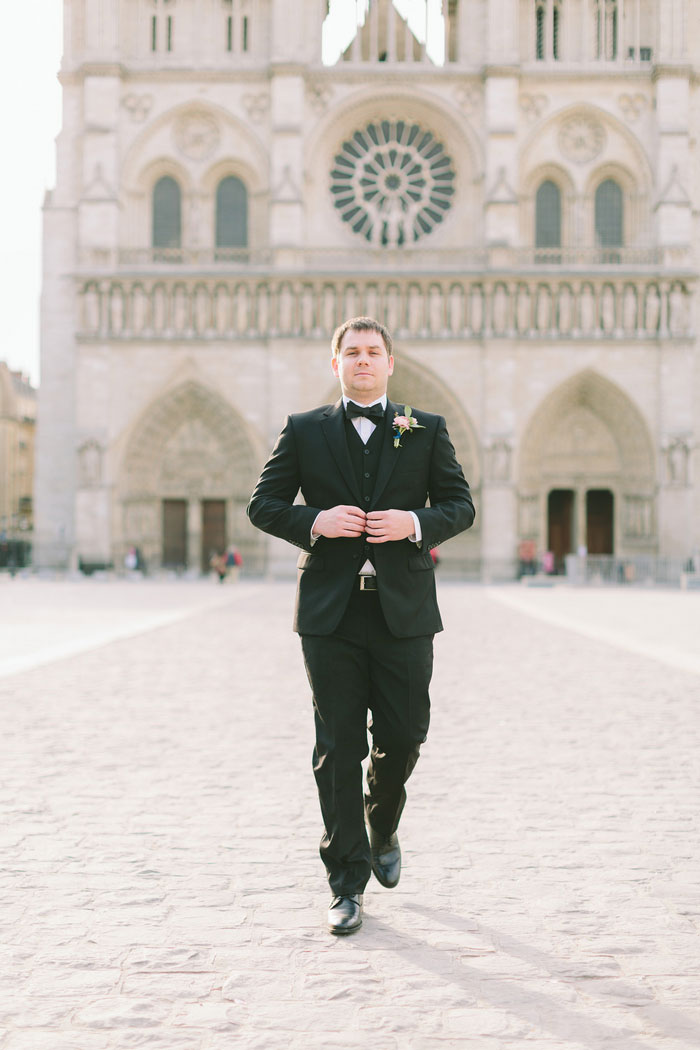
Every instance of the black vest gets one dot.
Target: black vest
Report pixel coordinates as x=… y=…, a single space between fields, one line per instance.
x=365 y=464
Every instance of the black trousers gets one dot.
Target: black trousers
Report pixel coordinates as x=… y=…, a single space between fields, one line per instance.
x=362 y=667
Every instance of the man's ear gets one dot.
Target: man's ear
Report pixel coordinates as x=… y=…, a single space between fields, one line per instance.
x=334 y=366
x=391 y=365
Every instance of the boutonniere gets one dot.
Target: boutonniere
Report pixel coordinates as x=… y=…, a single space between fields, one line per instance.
x=404 y=424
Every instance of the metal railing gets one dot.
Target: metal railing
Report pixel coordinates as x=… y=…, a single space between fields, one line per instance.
x=644 y=570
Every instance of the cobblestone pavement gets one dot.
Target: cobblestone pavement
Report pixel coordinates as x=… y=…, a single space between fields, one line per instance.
x=160 y=885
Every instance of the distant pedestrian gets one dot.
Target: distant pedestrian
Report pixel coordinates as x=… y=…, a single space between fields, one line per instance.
x=218 y=564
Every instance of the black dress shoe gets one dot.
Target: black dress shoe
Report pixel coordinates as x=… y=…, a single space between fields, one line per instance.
x=345 y=913
x=386 y=857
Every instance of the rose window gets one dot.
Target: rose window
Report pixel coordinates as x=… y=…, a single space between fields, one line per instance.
x=392 y=182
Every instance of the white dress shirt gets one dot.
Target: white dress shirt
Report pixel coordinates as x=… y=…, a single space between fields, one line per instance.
x=365 y=428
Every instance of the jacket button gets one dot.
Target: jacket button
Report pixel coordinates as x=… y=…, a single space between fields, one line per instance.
x=366 y=499
x=367 y=474
x=366 y=451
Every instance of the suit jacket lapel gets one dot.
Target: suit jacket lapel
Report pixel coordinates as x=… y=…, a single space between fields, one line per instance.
x=389 y=455
x=333 y=424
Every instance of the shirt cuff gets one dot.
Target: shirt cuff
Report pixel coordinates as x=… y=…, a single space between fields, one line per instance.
x=314 y=538
x=417 y=536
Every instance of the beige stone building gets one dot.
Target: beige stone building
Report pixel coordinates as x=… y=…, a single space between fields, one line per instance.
x=17 y=431
x=511 y=185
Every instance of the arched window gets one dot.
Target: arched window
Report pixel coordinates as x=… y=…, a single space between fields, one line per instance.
x=166 y=213
x=548 y=215
x=162 y=25
x=237 y=25
x=609 y=215
x=231 y=213
x=606 y=29
x=547 y=30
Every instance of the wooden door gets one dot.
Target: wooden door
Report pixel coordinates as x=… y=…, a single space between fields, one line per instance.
x=174 y=533
x=560 y=513
x=599 y=521
x=213 y=529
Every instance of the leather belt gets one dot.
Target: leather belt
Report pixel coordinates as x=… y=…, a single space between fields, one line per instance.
x=368 y=583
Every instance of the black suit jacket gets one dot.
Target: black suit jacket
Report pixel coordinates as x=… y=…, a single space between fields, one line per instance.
x=311 y=455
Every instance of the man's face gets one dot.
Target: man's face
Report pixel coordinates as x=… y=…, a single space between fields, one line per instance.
x=363 y=366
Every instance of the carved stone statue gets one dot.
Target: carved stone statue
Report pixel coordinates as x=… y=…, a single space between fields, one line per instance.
x=415 y=309
x=677 y=451
x=607 y=309
x=455 y=306
x=180 y=308
x=476 y=309
x=328 y=321
x=222 y=302
x=139 y=309
x=90 y=464
x=307 y=309
x=372 y=308
x=159 y=310
x=678 y=322
x=629 y=310
x=566 y=309
x=350 y=302
x=116 y=309
x=241 y=308
x=393 y=300
x=500 y=309
x=91 y=309
x=523 y=310
x=587 y=309
x=652 y=310
x=435 y=310
x=262 y=306
x=201 y=309
x=499 y=459
x=543 y=309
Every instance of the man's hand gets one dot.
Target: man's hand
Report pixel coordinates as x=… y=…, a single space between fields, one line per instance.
x=385 y=525
x=340 y=521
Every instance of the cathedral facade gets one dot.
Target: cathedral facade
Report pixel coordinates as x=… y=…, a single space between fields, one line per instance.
x=512 y=186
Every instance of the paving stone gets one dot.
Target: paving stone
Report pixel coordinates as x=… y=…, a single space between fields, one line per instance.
x=161 y=885
x=120 y=1012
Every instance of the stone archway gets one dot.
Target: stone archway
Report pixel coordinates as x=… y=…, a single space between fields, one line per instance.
x=189 y=466
x=413 y=384
x=587 y=453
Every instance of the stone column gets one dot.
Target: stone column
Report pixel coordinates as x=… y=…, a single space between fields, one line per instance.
x=674 y=165
x=503 y=36
x=501 y=111
x=580 y=534
x=194 y=535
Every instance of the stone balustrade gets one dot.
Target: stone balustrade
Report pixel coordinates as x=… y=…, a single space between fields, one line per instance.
x=437 y=306
x=469 y=259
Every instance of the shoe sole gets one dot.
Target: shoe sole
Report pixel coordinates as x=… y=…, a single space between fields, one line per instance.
x=344 y=932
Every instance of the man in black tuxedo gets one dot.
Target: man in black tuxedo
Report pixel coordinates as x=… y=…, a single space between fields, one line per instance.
x=366 y=606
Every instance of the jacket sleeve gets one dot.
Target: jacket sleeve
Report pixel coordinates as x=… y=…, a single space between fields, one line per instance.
x=451 y=507
x=272 y=507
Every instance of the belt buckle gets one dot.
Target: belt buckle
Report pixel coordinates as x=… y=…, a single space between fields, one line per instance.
x=364 y=585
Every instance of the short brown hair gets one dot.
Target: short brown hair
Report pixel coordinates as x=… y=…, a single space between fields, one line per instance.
x=360 y=324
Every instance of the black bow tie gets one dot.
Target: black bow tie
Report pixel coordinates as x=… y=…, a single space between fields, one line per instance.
x=373 y=412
